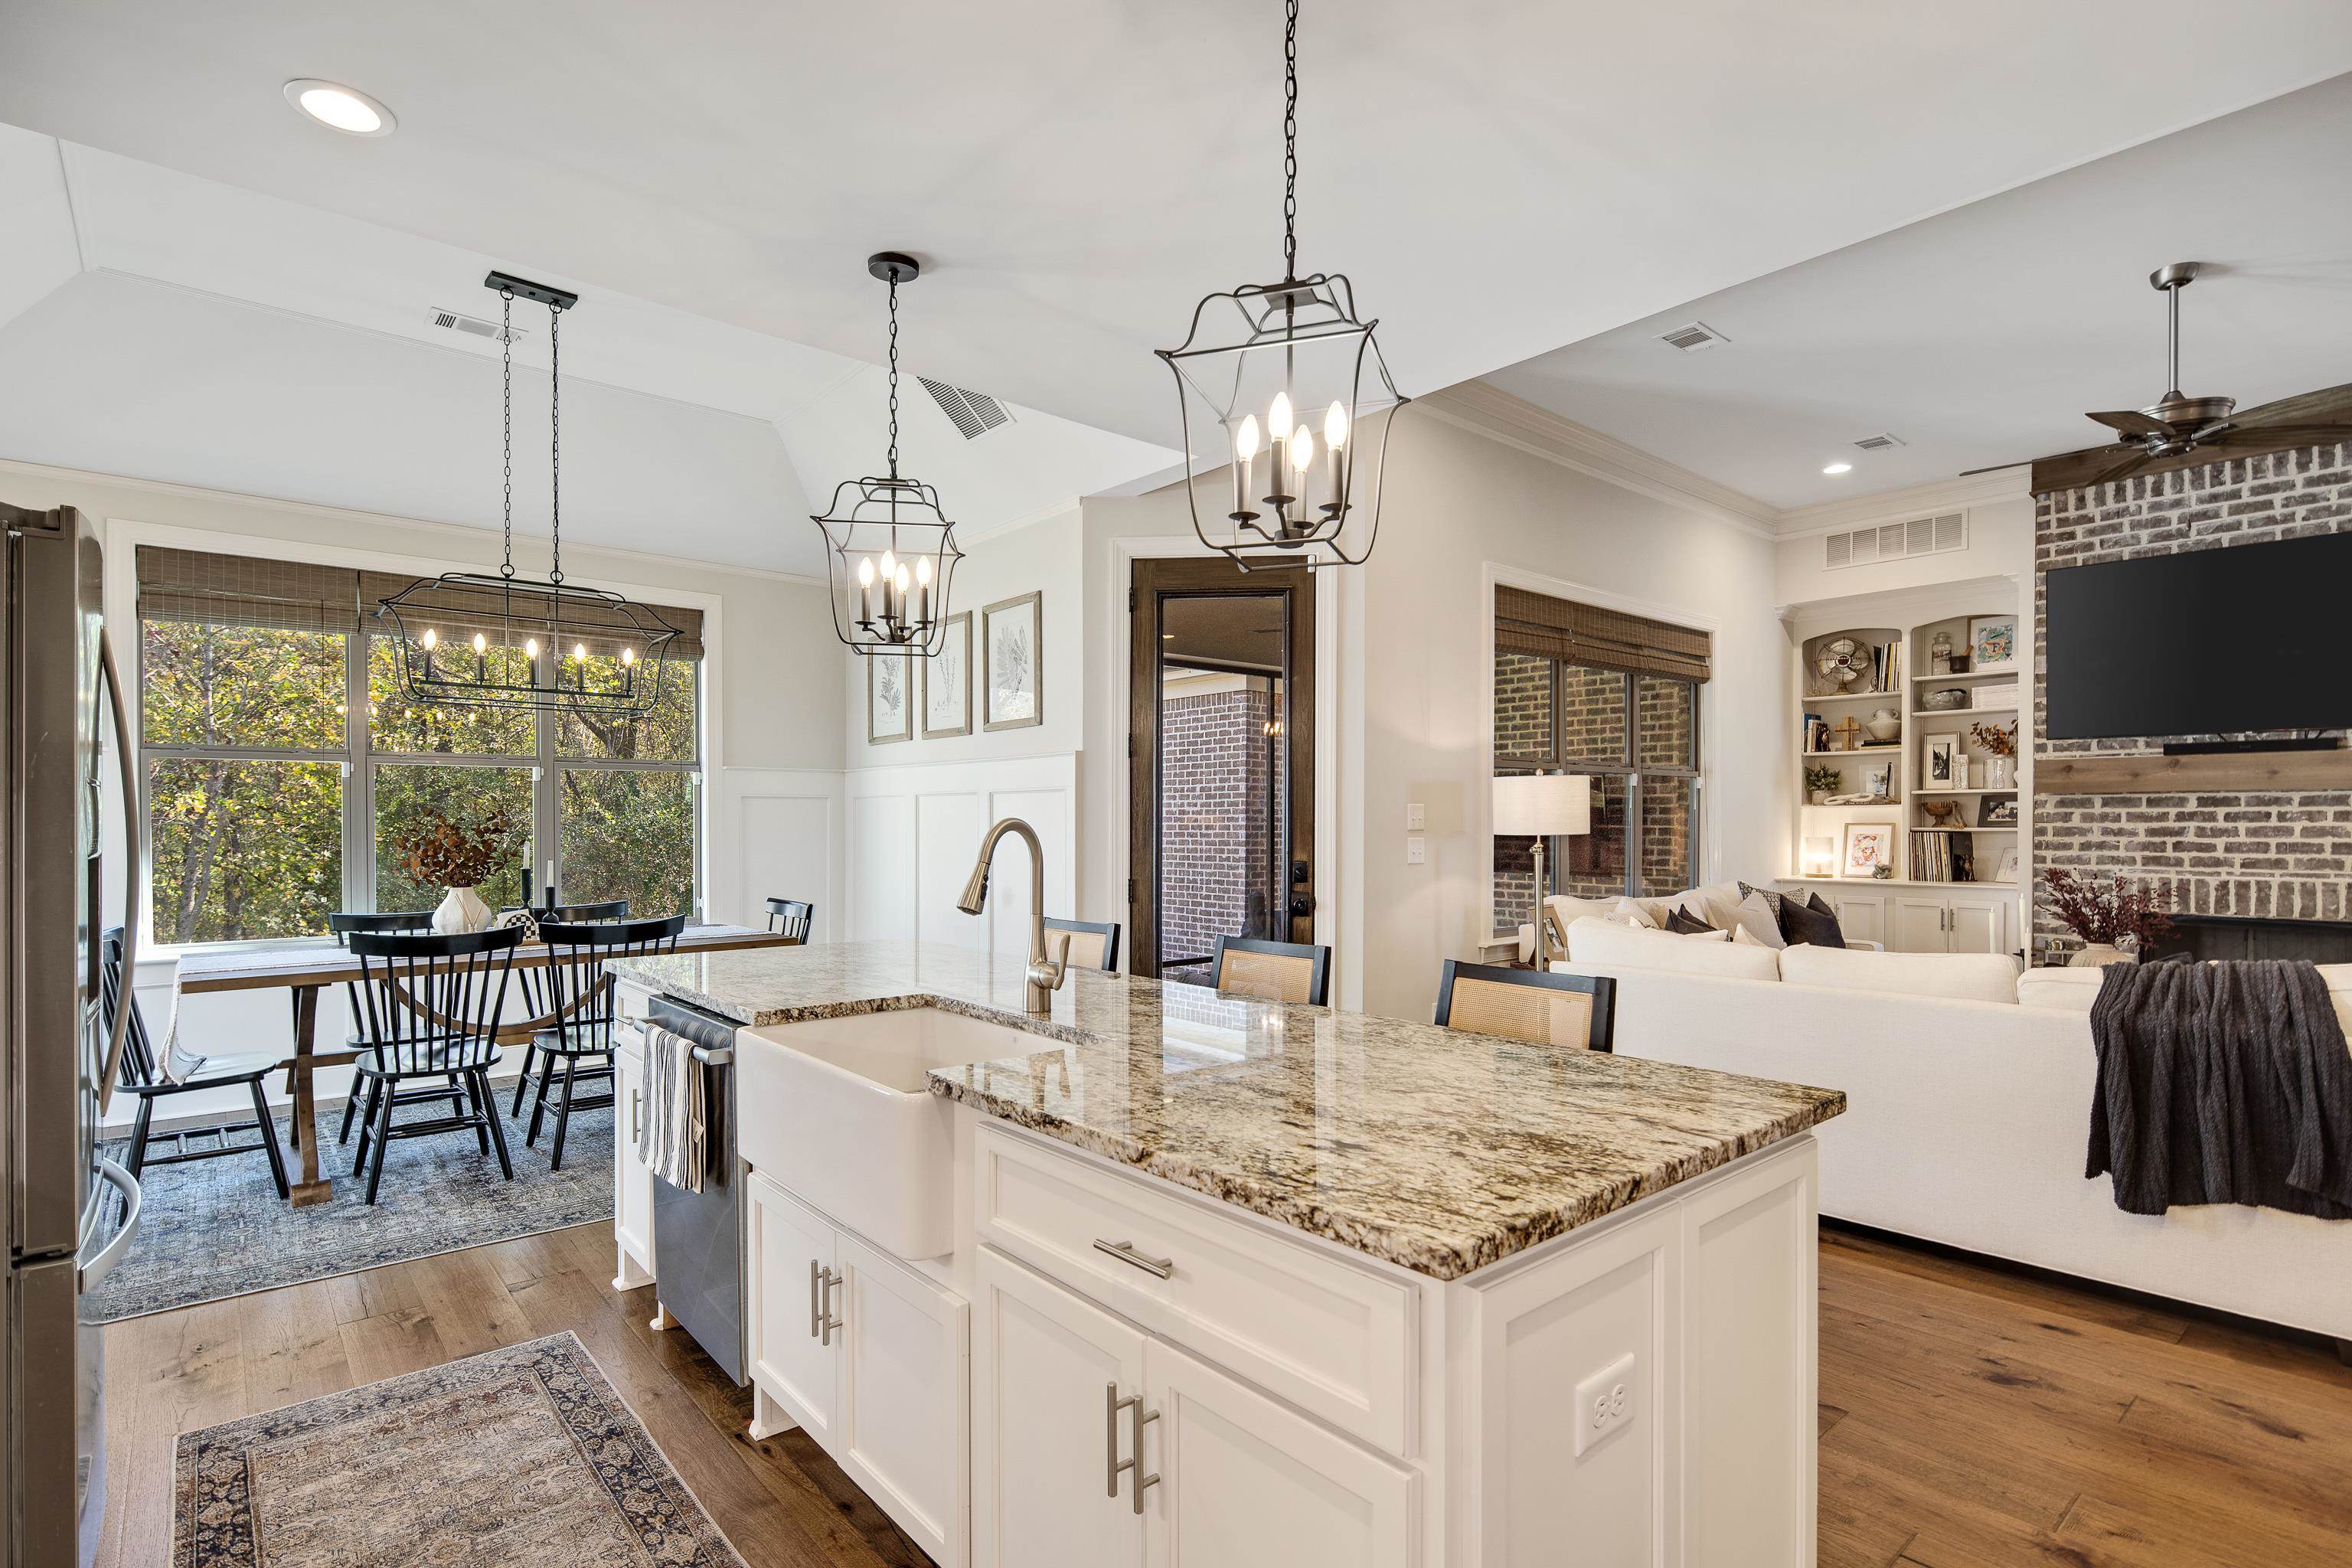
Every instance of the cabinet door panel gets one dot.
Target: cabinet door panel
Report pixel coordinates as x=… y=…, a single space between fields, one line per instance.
x=1918 y=925
x=899 y=1430
x=787 y=1243
x=633 y=1197
x=1979 y=925
x=1245 y=1482
x=1040 y=1360
x=1862 y=917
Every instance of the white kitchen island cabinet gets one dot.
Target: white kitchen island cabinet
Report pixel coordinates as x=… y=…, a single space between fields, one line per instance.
x=1234 y=1284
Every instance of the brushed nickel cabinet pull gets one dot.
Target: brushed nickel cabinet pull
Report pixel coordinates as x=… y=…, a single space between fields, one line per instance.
x=814 y=1313
x=1158 y=1268
x=1113 y=1466
x=828 y=1325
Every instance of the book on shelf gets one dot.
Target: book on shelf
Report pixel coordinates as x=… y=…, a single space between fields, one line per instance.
x=1942 y=856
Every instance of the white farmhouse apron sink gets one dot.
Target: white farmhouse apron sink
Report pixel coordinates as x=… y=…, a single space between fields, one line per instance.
x=838 y=1111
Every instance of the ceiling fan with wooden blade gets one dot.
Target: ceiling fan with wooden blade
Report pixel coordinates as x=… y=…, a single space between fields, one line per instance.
x=2173 y=431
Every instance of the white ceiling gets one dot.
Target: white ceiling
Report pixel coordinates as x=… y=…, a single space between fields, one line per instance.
x=164 y=326
x=1500 y=180
x=1982 y=336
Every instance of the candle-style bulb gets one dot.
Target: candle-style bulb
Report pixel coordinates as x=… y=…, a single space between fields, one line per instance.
x=1280 y=420
x=431 y=640
x=889 y=567
x=901 y=580
x=1302 y=448
x=865 y=571
x=530 y=648
x=923 y=570
x=1335 y=428
x=629 y=656
x=481 y=642
x=580 y=651
x=1245 y=440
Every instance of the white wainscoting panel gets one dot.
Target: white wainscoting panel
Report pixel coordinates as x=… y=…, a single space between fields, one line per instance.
x=777 y=833
x=915 y=830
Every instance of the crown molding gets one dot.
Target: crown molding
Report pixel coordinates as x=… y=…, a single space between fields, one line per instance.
x=56 y=475
x=1491 y=411
x=1887 y=506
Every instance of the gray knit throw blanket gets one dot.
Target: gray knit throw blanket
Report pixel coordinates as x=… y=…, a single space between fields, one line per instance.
x=2221 y=1083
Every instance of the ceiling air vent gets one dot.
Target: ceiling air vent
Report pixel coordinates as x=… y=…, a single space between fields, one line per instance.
x=1693 y=337
x=1878 y=443
x=473 y=326
x=1938 y=535
x=974 y=412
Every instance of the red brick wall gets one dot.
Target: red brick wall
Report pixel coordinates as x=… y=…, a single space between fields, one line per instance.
x=2269 y=855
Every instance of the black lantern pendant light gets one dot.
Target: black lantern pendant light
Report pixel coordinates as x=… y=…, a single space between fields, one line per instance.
x=472 y=641
x=1289 y=378
x=889 y=550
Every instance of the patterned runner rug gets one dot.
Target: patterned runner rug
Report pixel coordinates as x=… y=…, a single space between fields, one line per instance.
x=522 y=1457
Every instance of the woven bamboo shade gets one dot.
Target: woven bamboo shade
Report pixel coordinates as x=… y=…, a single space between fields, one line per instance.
x=1546 y=628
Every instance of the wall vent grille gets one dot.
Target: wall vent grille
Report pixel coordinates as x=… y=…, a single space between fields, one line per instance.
x=1879 y=443
x=1692 y=336
x=974 y=412
x=1940 y=534
x=473 y=326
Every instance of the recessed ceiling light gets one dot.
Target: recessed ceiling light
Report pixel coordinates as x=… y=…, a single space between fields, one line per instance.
x=340 y=108
x=1839 y=468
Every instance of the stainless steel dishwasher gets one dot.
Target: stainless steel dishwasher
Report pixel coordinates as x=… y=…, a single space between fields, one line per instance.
x=697 y=1238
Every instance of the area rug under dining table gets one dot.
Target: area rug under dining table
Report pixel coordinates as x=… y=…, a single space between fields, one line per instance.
x=212 y=1228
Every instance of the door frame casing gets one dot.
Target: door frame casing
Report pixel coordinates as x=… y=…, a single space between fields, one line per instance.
x=1333 y=884
x=1211 y=577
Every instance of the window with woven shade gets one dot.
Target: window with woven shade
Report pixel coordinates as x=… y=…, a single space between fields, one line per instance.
x=1584 y=689
x=285 y=769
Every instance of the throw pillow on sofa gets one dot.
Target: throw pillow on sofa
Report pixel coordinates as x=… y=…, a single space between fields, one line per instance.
x=1681 y=922
x=1805 y=926
x=1756 y=919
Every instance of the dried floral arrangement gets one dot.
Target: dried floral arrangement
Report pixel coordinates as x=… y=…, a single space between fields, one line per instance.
x=1997 y=740
x=441 y=852
x=2107 y=912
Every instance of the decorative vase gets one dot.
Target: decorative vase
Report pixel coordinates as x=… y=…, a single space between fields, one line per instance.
x=1997 y=772
x=1884 y=725
x=2097 y=955
x=1820 y=796
x=461 y=910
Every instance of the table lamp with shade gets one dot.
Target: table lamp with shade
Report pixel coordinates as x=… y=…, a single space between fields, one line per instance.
x=1543 y=806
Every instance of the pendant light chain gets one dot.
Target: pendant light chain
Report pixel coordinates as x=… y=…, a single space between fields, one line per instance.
x=1290 y=141
x=894 y=377
x=505 y=400
x=554 y=446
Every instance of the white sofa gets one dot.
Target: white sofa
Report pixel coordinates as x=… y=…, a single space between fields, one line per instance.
x=1967 y=1120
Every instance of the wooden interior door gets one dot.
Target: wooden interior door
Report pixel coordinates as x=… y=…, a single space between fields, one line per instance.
x=1221 y=760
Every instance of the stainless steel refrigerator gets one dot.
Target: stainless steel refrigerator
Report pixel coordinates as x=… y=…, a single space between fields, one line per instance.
x=70 y=1213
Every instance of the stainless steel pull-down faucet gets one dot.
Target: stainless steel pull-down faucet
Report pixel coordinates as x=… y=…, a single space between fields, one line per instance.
x=1045 y=975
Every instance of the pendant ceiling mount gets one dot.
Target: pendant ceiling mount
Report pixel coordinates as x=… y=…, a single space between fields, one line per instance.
x=472 y=639
x=889 y=550
x=1284 y=384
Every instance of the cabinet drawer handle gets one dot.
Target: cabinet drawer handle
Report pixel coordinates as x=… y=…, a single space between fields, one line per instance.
x=637 y=1104
x=824 y=1324
x=1113 y=1466
x=1157 y=1267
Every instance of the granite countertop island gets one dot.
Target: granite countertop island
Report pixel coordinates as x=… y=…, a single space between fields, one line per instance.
x=1433 y=1149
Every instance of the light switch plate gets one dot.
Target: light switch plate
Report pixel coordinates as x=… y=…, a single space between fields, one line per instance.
x=1604 y=1401
x=1416 y=849
x=1415 y=819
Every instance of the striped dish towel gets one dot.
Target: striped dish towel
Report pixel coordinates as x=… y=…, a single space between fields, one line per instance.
x=671 y=1138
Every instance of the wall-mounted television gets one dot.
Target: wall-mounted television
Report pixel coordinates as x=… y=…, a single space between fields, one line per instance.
x=2209 y=642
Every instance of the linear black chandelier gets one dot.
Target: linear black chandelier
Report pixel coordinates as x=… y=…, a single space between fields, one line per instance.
x=1287 y=348
x=889 y=550
x=471 y=639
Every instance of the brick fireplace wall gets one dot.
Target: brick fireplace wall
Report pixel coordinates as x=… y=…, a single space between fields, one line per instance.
x=2264 y=856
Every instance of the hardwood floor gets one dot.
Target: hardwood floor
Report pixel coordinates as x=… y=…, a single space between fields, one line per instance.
x=1970 y=1418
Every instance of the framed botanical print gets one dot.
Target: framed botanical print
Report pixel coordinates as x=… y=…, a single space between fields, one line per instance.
x=1011 y=643
x=1992 y=643
x=889 y=713
x=1869 y=849
x=947 y=681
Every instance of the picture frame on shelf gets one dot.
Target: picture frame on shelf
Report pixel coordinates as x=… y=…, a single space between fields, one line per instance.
x=947 y=682
x=1998 y=812
x=889 y=707
x=2006 y=868
x=1992 y=643
x=1939 y=763
x=1869 y=849
x=1012 y=639
x=1880 y=781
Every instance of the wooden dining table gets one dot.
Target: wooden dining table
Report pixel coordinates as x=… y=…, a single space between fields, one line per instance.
x=305 y=970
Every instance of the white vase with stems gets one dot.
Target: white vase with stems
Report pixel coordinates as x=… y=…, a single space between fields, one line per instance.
x=461 y=910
